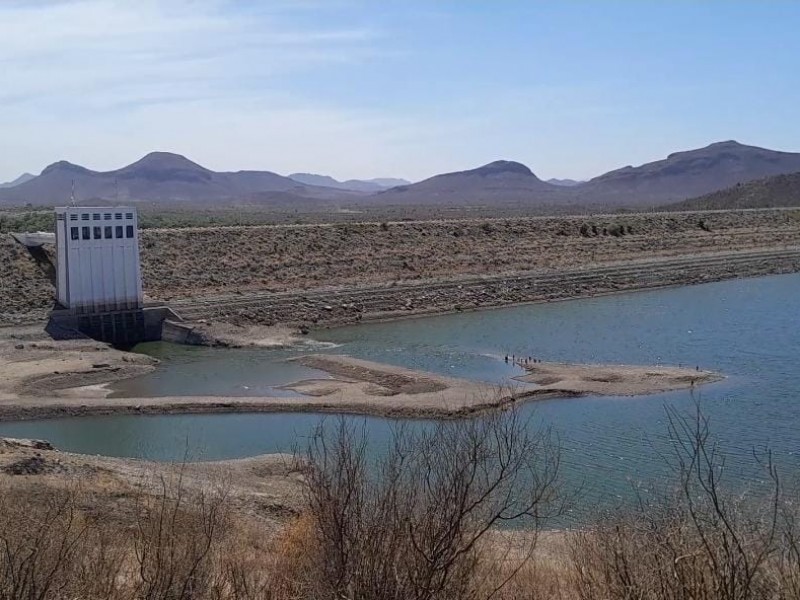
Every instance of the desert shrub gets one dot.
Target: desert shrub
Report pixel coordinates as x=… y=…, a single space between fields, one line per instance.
x=696 y=540
x=413 y=525
x=30 y=220
x=616 y=230
x=51 y=549
x=176 y=541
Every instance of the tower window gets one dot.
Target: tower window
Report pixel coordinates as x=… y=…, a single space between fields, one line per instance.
x=119 y=232
x=86 y=233
x=109 y=232
x=129 y=231
x=74 y=233
x=98 y=233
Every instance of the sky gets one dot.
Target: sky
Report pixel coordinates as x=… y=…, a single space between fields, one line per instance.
x=405 y=88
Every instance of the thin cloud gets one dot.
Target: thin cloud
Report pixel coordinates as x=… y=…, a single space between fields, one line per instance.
x=58 y=50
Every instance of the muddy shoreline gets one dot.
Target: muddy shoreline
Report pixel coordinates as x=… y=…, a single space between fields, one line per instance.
x=354 y=386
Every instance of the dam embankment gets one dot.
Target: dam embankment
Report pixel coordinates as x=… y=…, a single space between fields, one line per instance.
x=341 y=273
x=332 y=307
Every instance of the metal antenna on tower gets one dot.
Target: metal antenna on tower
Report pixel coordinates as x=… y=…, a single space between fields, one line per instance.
x=72 y=194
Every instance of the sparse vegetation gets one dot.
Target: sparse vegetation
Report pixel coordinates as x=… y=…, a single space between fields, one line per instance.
x=207 y=261
x=769 y=192
x=693 y=537
x=418 y=521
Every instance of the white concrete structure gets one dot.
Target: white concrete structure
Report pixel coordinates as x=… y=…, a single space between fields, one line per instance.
x=98 y=259
x=35 y=240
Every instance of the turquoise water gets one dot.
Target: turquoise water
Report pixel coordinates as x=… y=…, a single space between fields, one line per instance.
x=747 y=329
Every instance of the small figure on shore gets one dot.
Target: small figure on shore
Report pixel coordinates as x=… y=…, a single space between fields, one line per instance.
x=506 y=358
x=697 y=368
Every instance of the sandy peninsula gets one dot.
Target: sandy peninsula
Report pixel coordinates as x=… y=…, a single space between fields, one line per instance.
x=43 y=379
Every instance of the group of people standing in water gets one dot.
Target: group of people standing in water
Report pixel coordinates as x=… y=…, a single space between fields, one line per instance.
x=522 y=361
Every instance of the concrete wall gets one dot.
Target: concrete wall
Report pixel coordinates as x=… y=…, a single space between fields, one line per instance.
x=120 y=328
x=98 y=259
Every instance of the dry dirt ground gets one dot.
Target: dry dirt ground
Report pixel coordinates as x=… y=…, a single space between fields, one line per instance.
x=31 y=364
x=265 y=487
x=202 y=262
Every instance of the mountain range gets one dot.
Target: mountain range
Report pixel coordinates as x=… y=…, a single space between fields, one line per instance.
x=564 y=182
x=680 y=176
x=21 y=179
x=354 y=185
x=163 y=178
x=170 y=179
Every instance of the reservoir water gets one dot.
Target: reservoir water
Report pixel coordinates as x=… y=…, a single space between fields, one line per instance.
x=748 y=330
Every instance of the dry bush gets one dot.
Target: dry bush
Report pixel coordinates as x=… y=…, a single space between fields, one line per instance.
x=257 y=568
x=59 y=543
x=50 y=549
x=177 y=541
x=413 y=524
x=697 y=541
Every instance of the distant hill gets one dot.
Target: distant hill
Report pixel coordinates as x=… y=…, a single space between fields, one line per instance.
x=356 y=185
x=160 y=177
x=686 y=174
x=21 y=179
x=771 y=192
x=564 y=182
x=169 y=179
x=501 y=181
x=389 y=182
x=680 y=176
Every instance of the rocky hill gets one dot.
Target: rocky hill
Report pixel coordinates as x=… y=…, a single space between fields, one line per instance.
x=160 y=177
x=771 y=192
x=499 y=182
x=685 y=175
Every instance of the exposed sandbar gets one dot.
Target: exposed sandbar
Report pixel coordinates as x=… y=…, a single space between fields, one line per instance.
x=43 y=379
x=613 y=380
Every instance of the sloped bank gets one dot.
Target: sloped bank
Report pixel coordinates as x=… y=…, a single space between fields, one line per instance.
x=338 y=306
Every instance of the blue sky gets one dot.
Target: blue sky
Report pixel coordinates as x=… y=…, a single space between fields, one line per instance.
x=396 y=88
